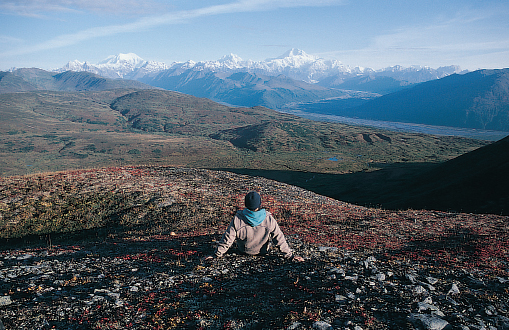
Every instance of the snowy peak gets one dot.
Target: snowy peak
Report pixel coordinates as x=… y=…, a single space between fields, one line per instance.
x=117 y=66
x=295 y=52
x=73 y=66
x=232 y=58
x=123 y=60
x=294 y=63
x=297 y=64
x=293 y=58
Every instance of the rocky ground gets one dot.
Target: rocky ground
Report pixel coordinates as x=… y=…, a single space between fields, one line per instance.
x=143 y=267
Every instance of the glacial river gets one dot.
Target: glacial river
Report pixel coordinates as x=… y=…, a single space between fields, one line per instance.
x=405 y=127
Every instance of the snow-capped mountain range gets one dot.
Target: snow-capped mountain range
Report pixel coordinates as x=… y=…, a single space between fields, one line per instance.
x=126 y=66
x=295 y=64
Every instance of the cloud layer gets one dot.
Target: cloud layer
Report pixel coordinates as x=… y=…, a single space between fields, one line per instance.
x=45 y=8
x=32 y=7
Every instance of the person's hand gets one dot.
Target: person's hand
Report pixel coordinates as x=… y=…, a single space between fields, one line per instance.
x=208 y=258
x=298 y=259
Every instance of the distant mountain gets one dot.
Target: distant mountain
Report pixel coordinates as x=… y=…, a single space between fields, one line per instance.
x=477 y=100
x=126 y=66
x=474 y=182
x=242 y=88
x=294 y=63
x=11 y=83
x=367 y=83
x=22 y=80
x=388 y=80
x=235 y=81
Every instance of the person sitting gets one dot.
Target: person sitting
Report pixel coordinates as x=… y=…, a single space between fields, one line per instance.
x=255 y=230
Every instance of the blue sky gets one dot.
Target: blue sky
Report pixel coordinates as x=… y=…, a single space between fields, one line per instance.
x=369 y=33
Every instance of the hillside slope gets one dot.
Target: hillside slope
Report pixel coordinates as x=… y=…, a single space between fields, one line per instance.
x=177 y=113
x=478 y=99
x=47 y=131
x=22 y=80
x=10 y=83
x=242 y=88
x=474 y=182
x=123 y=247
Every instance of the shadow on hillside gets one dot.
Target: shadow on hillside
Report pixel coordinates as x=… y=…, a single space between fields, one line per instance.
x=401 y=186
x=460 y=247
x=53 y=239
x=114 y=237
x=112 y=233
x=378 y=188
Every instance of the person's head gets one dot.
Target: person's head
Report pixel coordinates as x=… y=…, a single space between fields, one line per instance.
x=253 y=201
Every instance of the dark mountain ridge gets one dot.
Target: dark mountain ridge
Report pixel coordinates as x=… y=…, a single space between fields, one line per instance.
x=478 y=100
x=474 y=182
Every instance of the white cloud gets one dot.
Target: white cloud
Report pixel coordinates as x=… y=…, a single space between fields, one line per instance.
x=149 y=21
x=9 y=40
x=452 y=41
x=47 y=8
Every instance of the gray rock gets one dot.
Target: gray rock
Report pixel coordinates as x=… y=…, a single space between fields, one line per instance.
x=411 y=278
x=429 y=322
x=454 y=290
x=5 y=301
x=422 y=307
x=337 y=271
x=419 y=289
x=294 y=326
x=321 y=325
x=327 y=249
x=352 y=278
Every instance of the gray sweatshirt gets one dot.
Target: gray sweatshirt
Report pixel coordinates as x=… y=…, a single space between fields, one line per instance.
x=253 y=240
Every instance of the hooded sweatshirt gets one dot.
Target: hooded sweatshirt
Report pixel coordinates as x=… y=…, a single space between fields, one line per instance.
x=253 y=239
x=254 y=218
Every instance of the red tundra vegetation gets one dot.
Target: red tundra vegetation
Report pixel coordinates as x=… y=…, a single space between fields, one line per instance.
x=123 y=248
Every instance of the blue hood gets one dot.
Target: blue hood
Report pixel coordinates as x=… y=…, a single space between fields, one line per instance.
x=254 y=218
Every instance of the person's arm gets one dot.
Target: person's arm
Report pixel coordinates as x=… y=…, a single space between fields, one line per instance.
x=279 y=238
x=227 y=240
